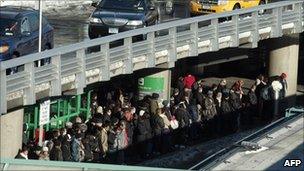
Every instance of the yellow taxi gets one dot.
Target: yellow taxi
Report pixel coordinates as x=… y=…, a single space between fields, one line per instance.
x=198 y=7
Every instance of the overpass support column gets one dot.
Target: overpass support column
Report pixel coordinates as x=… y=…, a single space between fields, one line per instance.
x=284 y=58
x=11 y=133
x=159 y=83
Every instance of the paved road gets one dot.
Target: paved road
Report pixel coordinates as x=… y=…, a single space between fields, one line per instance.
x=70 y=29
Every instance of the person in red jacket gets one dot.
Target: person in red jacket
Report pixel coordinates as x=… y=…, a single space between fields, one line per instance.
x=188 y=81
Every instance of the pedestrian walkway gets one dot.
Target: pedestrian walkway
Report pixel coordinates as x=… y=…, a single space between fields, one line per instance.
x=286 y=143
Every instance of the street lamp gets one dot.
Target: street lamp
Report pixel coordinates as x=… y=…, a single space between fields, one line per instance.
x=40 y=26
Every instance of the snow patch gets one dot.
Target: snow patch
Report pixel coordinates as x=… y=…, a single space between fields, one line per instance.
x=54 y=7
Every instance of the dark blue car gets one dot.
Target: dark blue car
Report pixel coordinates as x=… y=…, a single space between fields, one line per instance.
x=19 y=32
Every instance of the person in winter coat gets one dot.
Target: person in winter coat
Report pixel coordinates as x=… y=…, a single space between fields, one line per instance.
x=23 y=153
x=112 y=141
x=218 y=116
x=121 y=142
x=283 y=81
x=189 y=80
x=251 y=104
x=107 y=116
x=56 y=152
x=144 y=133
x=165 y=137
x=103 y=140
x=44 y=155
x=88 y=153
x=65 y=140
x=157 y=127
x=208 y=110
x=199 y=96
x=226 y=114
x=183 y=118
x=222 y=86
x=237 y=105
x=154 y=103
x=261 y=84
x=77 y=152
x=128 y=118
x=166 y=109
x=180 y=84
x=176 y=98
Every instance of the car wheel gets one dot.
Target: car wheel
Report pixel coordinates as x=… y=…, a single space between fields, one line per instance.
x=192 y=15
x=92 y=35
x=14 y=70
x=236 y=6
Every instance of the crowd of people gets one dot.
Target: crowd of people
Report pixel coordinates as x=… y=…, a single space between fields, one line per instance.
x=123 y=128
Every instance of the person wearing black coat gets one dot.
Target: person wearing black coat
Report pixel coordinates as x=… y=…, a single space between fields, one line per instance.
x=56 y=152
x=23 y=153
x=251 y=106
x=157 y=124
x=226 y=114
x=237 y=105
x=144 y=133
x=183 y=118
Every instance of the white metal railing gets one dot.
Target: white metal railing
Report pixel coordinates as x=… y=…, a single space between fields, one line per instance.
x=163 y=43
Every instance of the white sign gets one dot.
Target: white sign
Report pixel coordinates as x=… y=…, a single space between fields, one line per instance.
x=44 y=117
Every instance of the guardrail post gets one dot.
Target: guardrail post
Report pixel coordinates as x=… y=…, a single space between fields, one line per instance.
x=214 y=41
x=151 y=54
x=298 y=24
x=104 y=73
x=129 y=61
x=3 y=102
x=255 y=29
x=194 y=41
x=276 y=30
x=80 y=80
x=172 y=52
x=235 y=39
x=55 y=89
x=29 y=93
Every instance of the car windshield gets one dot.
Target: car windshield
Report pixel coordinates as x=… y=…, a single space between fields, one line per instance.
x=134 y=5
x=8 y=27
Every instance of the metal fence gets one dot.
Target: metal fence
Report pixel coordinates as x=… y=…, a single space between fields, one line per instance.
x=162 y=44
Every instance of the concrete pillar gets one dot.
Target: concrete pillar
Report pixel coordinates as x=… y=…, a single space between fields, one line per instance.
x=156 y=83
x=284 y=58
x=11 y=129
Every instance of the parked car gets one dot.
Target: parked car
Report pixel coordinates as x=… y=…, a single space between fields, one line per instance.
x=114 y=16
x=19 y=32
x=198 y=7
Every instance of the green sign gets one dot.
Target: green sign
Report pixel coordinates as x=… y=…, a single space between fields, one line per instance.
x=151 y=84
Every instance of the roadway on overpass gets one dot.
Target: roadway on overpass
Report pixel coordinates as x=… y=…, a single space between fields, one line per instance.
x=69 y=30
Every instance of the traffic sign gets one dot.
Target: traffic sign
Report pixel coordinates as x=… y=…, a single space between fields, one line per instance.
x=44 y=117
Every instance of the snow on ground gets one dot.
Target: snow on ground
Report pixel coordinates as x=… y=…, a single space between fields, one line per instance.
x=184 y=159
x=54 y=7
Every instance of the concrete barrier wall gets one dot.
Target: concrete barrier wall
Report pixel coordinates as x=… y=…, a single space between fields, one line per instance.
x=11 y=128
